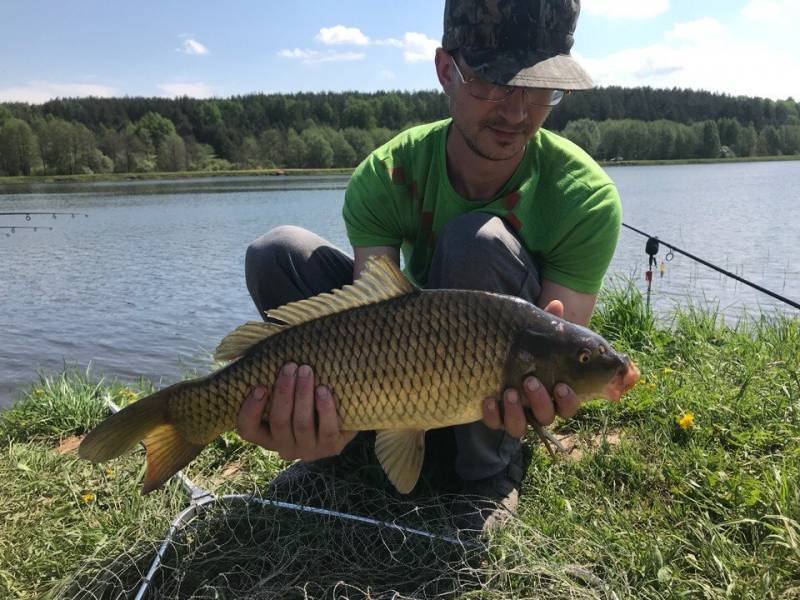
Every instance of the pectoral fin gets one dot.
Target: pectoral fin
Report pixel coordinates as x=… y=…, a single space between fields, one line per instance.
x=401 y=452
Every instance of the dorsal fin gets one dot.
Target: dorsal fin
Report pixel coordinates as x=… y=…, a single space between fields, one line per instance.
x=380 y=280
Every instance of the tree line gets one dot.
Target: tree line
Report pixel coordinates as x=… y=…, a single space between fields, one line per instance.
x=123 y=135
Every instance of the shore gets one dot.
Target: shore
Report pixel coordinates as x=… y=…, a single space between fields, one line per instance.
x=155 y=176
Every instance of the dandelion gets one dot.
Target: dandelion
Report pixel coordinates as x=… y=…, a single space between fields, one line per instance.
x=110 y=472
x=667 y=370
x=686 y=421
x=652 y=386
x=88 y=497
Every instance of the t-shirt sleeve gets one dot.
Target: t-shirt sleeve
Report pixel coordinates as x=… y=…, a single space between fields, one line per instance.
x=581 y=259
x=370 y=211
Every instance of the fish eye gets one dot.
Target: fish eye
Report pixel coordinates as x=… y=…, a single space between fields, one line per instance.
x=584 y=356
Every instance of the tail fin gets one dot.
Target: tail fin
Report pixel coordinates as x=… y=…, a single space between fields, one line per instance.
x=144 y=420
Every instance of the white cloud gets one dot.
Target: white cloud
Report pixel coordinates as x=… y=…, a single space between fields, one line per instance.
x=192 y=90
x=342 y=35
x=37 y=92
x=772 y=11
x=699 y=31
x=691 y=56
x=416 y=46
x=626 y=9
x=311 y=57
x=190 y=46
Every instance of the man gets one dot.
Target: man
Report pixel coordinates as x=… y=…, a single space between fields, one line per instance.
x=485 y=200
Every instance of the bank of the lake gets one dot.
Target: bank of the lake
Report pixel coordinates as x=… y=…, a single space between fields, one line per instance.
x=688 y=488
x=166 y=175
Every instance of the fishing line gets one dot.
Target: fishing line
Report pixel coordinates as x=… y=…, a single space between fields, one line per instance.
x=652 y=250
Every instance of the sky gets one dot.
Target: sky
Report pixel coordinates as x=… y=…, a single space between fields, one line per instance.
x=207 y=48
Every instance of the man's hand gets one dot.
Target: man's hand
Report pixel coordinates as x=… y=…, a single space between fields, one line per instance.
x=296 y=408
x=534 y=396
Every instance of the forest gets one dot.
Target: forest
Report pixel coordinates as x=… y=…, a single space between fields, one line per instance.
x=321 y=130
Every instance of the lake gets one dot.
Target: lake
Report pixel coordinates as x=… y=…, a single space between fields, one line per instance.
x=148 y=284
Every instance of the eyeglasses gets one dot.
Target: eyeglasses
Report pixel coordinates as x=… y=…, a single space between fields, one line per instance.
x=491 y=92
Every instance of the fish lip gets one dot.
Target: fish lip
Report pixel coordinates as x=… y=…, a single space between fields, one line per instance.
x=622 y=382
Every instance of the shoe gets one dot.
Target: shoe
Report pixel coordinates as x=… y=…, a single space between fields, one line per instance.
x=487 y=504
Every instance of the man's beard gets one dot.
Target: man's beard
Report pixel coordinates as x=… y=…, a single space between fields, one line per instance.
x=472 y=143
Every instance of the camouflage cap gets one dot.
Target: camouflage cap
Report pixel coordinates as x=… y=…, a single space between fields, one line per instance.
x=517 y=42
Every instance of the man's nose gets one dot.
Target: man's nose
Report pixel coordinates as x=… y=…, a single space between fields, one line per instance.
x=515 y=107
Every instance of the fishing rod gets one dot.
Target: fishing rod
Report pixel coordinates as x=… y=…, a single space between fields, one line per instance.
x=29 y=213
x=14 y=228
x=652 y=249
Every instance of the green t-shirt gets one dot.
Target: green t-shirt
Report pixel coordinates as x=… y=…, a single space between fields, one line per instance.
x=563 y=206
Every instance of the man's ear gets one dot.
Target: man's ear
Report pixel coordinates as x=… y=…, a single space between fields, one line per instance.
x=444 y=70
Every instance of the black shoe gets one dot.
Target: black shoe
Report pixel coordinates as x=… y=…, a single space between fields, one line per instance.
x=487 y=504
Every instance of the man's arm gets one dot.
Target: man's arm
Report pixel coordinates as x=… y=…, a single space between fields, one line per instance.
x=578 y=307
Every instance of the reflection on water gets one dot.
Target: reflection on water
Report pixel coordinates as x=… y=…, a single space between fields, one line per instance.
x=153 y=279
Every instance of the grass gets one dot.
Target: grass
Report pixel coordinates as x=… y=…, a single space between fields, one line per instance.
x=650 y=510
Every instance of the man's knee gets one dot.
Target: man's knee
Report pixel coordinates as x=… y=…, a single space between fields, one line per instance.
x=473 y=236
x=479 y=251
x=276 y=247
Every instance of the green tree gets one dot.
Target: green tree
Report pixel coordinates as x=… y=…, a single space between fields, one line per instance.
x=790 y=139
x=585 y=133
x=172 y=154
x=392 y=111
x=319 y=153
x=272 y=145
x=56 y=140
x=769 y=142
x=343 y=153
x=729 y=132
x=748 y=139
x=358 y=113
x=18 y=147
x=5 y=115
x=248 y=154
x=711 y=146
x=295 y=150
x=360 y=140
x=154 y=128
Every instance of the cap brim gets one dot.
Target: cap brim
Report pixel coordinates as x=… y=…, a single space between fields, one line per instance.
x=528 y=69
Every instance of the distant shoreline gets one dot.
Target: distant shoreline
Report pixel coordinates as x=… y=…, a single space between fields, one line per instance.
x=155 y=176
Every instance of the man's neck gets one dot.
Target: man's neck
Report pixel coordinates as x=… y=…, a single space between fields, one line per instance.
x=473 y=176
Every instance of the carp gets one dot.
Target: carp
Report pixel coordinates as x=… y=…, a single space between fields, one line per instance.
x=400 y=360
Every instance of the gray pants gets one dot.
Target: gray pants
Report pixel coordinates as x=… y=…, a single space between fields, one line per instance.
x=475 y=251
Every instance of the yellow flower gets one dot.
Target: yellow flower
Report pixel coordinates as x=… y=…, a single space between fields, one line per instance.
x=686 y=421
x=110 y=472
x=652 y=386
x=88 y=497
x=667 y=370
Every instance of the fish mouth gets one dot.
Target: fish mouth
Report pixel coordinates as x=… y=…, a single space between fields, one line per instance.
x=627 y=376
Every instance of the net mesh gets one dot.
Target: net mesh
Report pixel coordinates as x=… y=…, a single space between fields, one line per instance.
x=254 y=548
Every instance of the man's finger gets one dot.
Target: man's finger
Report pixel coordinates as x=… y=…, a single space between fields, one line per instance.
x=539 y=400
x=250 y=424
x=305 y=431
x=491 y=414
x=555 y=307
x=329 y=436
x=282 y=407
x=513 y=415
x=566 y=401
